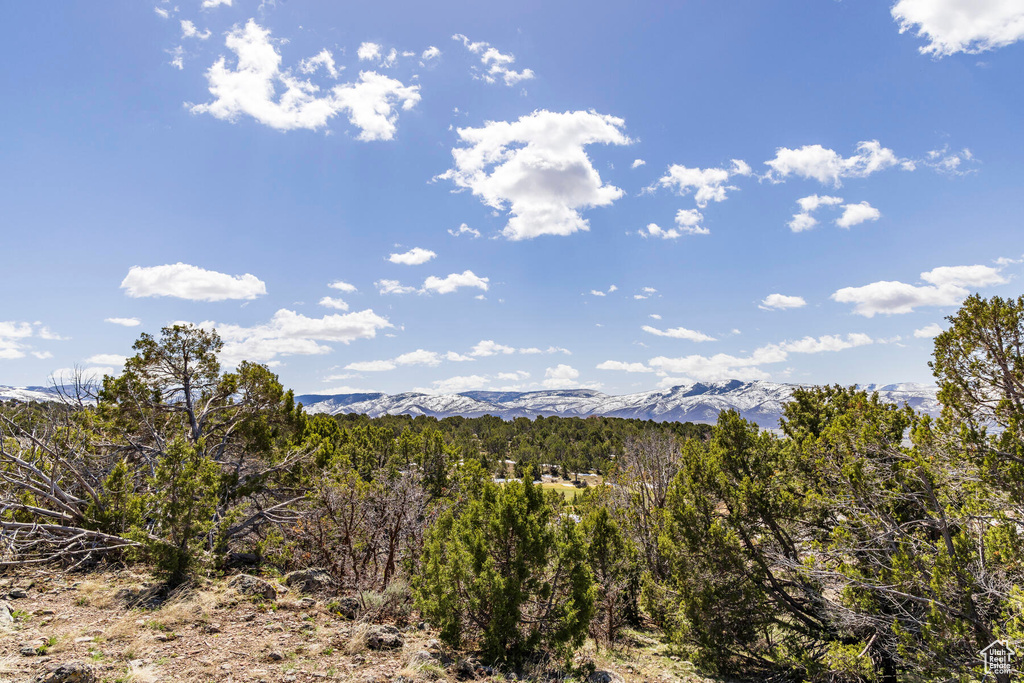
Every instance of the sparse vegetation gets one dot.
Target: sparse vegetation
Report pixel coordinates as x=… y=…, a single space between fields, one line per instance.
x=861 y=542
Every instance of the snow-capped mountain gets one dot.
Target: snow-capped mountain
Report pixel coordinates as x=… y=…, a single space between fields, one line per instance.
x=759 y=401
x=27 y=394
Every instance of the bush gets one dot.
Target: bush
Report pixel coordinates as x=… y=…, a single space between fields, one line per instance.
x=506 y=570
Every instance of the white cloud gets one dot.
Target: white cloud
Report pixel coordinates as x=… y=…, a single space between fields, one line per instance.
x=828 y=342
x=392 y=287
x=707 y=184
x=928 y=331
x=162 y=13
x=208 y=4
x=655 y=316
x=678 y=333
x=688 y=222
x=455 y=385
x=14 y=338
x=413 y=257
x=332 y=302
x=808 y=205
x=251 y=88
x=464 y=230
x=637 y=163
x=497 y=64
x=724 y=366
x=291 y=333
x=419 y=357
x=950 y=163
x=893 y=297
x=964 y=276
x=177 y=57
x=561 y=377
x=952 y=26
x=106 y=359
x=855 y=214
x=828 y=166
x=371 y=366
x=342 y=286
x=536 y=169
x=781 y=301
x=595 y=292
x=457 y=357
x=124 y=322
x=489 y=347
x=624 y=367
x=948 y=286
x=454 y=281
x=322 y=59
x=533 y=350
x=430 y=53
x=517 y=376
x=368 y=52
x=190 y=282
x=189 y=30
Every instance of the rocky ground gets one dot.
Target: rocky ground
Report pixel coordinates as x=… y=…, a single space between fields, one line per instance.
x=120 y=626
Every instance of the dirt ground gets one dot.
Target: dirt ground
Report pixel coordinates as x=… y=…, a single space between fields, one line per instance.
x=120 y=624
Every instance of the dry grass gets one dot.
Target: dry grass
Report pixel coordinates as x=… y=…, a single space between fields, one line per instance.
x=357 y=640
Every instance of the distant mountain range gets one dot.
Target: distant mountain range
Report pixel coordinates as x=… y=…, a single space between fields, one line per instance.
x=760 y=402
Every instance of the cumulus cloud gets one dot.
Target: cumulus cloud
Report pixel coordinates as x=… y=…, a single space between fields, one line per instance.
x=463 y=230
x=257 y=86
x=455 y=385
x=808 y=205
x=417 y=357
x=928 y=331
x=454 y=281
x=855 y=214
x=369 y=52
x=413 y=257
x=489 y=347
x=952 y=26
x=678 y=333
x=324 y=59
x=827 y=166
x=342 y=286
x=637 y=163
x=371 y=366
x=332 y=302
x=562 y=377
x=183 y=281
x=189 y=30
x=497 y=65
x=124 y=322
x=392 y=287
x=291 y=333
x=208 y=4
x=15 y=339
x=723 y=366
x=624 y=367
x=457 y=357
x=774 y=302
x=536 y=169
x=948 y=286
x=707 y=184
x=430 y=53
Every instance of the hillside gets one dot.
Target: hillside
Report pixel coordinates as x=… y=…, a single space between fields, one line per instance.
x=759 y=401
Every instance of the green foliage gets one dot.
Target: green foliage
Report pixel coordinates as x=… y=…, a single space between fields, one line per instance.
x=508 y=571
x=185 y=488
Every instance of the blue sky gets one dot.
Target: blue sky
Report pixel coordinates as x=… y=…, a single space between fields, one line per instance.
x=528 y=196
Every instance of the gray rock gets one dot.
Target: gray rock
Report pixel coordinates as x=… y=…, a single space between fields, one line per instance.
x=17 y=594
x=347 y=607
x=253 y=586
x=6 y=618
x=69 y=672
x=312 y=580
x=384 y=638
x=605 y=677
x=422 y=657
